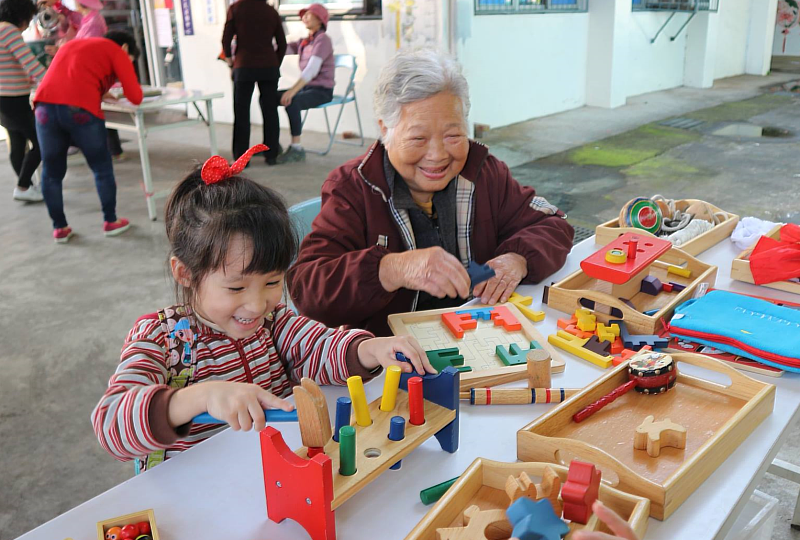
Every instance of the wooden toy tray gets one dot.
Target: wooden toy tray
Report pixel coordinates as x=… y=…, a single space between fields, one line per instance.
x=740 y=268
x=717 y=418
x=606 y=232
x=580 y=290
x=483 y=483
x=477 y=346
x=128 y=519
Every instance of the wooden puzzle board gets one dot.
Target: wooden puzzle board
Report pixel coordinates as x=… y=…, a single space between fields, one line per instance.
x=478 y=345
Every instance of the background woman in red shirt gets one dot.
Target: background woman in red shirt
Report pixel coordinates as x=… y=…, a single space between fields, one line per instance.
x=68 y=109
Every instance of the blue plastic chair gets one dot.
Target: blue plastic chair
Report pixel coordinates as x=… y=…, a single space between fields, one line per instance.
x=347 y=61
x=303 y=214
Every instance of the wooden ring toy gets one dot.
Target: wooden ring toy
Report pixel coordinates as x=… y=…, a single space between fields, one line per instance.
x=616 y=256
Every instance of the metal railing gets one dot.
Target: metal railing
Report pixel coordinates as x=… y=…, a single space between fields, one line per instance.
x=675 y=5
x=499 y=7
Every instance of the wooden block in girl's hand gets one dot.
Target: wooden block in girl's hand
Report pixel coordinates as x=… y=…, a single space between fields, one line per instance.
x=312 y=414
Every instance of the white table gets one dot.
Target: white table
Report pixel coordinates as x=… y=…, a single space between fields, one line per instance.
x=215 y=490
x=133 y=119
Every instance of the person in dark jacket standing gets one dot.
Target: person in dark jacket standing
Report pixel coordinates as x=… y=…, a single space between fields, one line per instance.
x=255 y=24
x=399 y=225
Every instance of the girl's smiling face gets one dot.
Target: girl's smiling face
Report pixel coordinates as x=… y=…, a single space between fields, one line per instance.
x=234 y=301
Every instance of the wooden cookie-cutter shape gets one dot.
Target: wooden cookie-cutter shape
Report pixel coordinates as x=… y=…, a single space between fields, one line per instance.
x=312 y=414
x=477 y=523
x=652 y=436
x=523 y=486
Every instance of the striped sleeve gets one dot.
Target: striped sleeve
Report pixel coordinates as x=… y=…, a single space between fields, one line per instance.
x=121 y=419
x=15 y=45
x=311 y=349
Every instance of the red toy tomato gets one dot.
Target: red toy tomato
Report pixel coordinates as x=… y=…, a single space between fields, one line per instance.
x=113 y=533
x=144 y=527
x=130 y=532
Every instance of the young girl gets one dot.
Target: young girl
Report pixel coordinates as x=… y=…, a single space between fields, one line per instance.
x=229 y=348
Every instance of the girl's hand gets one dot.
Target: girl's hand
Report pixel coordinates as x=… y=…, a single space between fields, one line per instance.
x=241 y=405
x=286 y=98
x=381 y=352
x=509 y=270
x=620 y=527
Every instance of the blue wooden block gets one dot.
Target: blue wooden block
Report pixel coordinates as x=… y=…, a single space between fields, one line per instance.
x=478 y=273
x=535 y=520
x=635 y=342
x=478 y=313
x=442 y=389
x=651 y=285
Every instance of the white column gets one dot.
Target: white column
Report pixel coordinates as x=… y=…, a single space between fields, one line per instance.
x=701 y=50
x=760 y=35
x=607 y=57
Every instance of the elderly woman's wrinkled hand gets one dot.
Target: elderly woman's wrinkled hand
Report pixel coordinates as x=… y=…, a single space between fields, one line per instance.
x=381 y=352
x=618 y=526
x=432 y=270
x=509 y=270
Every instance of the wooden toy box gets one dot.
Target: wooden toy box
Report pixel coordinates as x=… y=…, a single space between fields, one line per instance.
x=740 y=268
x=606 y=232
x=477 y=346
x=482 y=484
x=129 y=519
x=717 y=418
x=580 y=290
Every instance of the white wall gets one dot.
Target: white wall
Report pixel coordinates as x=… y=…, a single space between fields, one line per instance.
x=522 y=66
x=659 y=65
x=732 y=36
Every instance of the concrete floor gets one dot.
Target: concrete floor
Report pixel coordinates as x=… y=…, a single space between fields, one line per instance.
x=67 y=308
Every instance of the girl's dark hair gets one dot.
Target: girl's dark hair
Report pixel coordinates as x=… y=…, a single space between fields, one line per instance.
x=124 y=38
x=202 y=221
x=17 y=12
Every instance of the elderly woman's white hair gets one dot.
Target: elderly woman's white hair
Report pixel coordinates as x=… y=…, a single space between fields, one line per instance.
x=413 y=75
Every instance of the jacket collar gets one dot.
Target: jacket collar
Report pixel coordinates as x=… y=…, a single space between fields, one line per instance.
x=373 y=173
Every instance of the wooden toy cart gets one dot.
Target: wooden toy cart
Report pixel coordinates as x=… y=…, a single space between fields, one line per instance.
x=482 y=484
x=607 y=232
x=580 y=290
x=717 y=418
x=477 y=346
x=740 y=268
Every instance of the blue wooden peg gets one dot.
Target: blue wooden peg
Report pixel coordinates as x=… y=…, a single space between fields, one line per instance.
x=273 y=415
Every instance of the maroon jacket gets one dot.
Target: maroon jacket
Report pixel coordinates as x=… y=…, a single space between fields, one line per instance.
x=254 y=23
x=335 y=279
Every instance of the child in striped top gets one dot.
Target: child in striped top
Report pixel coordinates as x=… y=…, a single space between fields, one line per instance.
x=230 y=347
x=18 y=69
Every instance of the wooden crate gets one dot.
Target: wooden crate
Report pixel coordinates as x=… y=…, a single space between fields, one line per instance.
x=129 y=519
x=717 y=418
x=579 y=290
x=606 y=232
x=477 y=346
x=740 y=268
x=483 y=483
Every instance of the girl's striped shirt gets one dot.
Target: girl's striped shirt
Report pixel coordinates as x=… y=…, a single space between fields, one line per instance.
x=131 y=419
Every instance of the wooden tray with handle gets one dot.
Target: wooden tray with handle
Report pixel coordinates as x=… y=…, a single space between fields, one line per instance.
x=717 y=418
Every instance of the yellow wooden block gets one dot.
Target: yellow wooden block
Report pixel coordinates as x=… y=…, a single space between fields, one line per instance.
x=614 y=328
x=604 y=333
x=521 y=303
x=587 y=323
x=572 y=346
x=678 y=271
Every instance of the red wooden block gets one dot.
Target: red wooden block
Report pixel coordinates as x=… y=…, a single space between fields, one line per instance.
x=297 y=488
x=580 y=491
x=666 y=287
x=564 y=323
x=627 y=353
x=617 y=346
x=649 y=249
x=457 y=323
x=502 y=316
x=575 y=331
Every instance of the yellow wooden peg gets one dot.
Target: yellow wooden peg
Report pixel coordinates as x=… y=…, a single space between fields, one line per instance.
x=390 y=385
x=678 y=271
x=356 y=387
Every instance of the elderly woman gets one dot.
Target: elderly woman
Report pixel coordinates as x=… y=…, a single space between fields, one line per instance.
x=399 y=225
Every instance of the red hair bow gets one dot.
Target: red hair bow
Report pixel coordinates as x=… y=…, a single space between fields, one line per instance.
x=216 y=168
